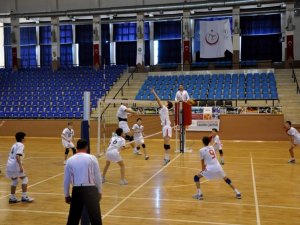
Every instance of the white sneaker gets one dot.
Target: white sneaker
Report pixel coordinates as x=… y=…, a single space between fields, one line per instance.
x=166 y=161
x=123 y=182
x=292 y=161
x=13 y=200
x=198 y=197
x=147 y=157
x=136 y=152
x=27 y=199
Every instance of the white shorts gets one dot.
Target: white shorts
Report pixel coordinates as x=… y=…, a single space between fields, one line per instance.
x=15 y=174
x=211 y=173
x=113 y=156
x=68 y=144
x=296 y=141
x=139 y=141
x=124 y=126
x=167 y=131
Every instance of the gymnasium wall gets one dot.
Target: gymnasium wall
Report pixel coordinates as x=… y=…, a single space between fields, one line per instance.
x=232 y=127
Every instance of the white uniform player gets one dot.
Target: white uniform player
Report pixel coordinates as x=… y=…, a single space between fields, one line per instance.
x=113 y=151
x=211 y=169
x=122 y=117
x=166 y=125
x=181 y=95
x=116 y=144
x=294 y=139
x=138 y=136
x=217 y=144
x=67 y=138
x=12 y=167
x=15 y=169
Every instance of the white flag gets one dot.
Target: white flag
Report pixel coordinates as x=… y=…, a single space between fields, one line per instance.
x=140 y=52
x=215 y=38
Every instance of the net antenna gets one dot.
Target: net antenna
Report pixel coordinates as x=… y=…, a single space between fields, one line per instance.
x=183 y=118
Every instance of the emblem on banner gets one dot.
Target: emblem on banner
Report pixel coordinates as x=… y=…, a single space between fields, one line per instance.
x=212 y=37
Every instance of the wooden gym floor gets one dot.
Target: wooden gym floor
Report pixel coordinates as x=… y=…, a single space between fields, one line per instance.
x=162 y=195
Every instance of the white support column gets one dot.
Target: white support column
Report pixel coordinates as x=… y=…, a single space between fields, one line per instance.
x=15 y=42
x=112 y=44
x=38 y=45
x=2 y=54
x=140 y=54
x=97 y=42
x=192 y=21
x=236 y=37
x=55 y=43
x=151 y=40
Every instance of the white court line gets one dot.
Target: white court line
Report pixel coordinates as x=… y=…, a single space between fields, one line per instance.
x=42 y=181
x=138 y=188
x=32 y=211
x=255 y=192
x=171 y=220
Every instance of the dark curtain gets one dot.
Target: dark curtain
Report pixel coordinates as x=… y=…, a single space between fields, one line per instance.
x=146 y=31
x=167 y=30
x=28 y=56
x=262 y=47
x=28 y=36
x=261 y=36
x=84 y=38
x=45 y=49
x=105 y=45
x=7 y=46
x=126 y=53
x=125 y=32
x=46 y=57
x=66 y=55
x=169 y=51
x=66 y=34
x=147 y=53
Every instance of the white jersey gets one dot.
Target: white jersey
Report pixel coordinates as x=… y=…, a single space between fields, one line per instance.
x=218 y=144
x=68 y=134
x=137 y=131
x=294 y=134
x=116 y=143
x=12 y=163
x=121 y=113
x=182 y=96
x=209 y=156
x=164 y=116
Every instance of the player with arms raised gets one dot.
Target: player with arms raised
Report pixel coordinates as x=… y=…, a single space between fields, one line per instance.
x=166 y=125
x=211 y=169
x=294 y=139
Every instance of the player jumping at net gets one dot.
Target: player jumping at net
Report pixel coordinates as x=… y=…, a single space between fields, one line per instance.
x=294 y=139
x=166 y=125
x=116 y=144
x=122 y=115
x=217 y=144
x=211 y=169
x=67 y=140
x=138 y=136
x=15 y=169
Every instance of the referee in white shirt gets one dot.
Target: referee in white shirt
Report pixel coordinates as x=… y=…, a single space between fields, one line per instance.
x=82 y=171
x=182 y=95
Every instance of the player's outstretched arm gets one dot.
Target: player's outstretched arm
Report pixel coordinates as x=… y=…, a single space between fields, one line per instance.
x=156 y=97
x=129 y=110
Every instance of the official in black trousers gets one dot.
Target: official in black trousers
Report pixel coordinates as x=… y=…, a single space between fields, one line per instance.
x=83 y=173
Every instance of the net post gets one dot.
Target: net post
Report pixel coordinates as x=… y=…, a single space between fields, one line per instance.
x=99 y=128
x=85 y=127
x=181 y=125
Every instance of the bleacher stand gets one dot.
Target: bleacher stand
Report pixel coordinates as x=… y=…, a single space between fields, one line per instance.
x=41 y=93
x=251 y=86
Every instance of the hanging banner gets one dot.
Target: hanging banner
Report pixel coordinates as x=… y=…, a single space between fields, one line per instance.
x=14 y=57
x=140 y=52
x=289 y=47
x=215 y=38
x=54 y=52
x=96 y=55
x=204 y=119
x=186 y=52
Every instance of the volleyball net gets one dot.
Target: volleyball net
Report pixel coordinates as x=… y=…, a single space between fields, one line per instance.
x=147 y=111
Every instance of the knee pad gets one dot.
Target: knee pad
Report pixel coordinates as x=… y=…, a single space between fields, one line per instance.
x=221 y=152
x=166 y=147
x=196 y=178
x=128 y=138
x=228 y=181
x=25 y=180
x=14 y=182
x=67 y=151
x=143 y=145
x=138 y=148
x=74 y=151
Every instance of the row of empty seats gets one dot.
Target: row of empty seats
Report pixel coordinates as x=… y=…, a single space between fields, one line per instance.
x=42 y=93
x=258 y=86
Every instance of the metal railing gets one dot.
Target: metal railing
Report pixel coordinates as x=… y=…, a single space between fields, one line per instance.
x=120 y=90
x=295 y=77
